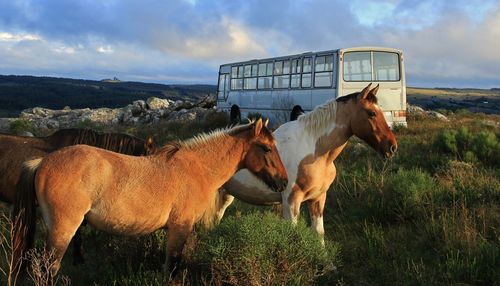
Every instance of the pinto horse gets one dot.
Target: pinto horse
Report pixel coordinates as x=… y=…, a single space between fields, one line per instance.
x=121 y=194
x=308 y=148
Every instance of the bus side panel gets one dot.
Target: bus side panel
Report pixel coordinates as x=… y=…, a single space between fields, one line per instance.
x=246 y=98
x=320 y=96
x=389 y=94
x=263 y=99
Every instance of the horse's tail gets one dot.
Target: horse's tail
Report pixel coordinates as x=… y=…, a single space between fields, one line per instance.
x=24 y=213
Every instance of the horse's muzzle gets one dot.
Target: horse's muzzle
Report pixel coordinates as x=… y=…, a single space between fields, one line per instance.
x=391 y=151
x=278 y=184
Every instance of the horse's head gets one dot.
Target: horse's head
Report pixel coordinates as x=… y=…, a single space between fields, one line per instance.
x=262 y=158
x=368 y=123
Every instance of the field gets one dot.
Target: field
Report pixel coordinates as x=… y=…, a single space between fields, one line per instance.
x=429 y=216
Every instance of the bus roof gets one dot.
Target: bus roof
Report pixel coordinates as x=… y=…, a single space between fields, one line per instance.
x=305 y=54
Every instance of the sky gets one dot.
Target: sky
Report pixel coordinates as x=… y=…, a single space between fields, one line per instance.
x=445 y=43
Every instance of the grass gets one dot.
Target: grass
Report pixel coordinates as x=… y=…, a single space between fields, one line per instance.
x=429 y=216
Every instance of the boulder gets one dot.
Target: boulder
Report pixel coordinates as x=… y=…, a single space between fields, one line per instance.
x=156 y=103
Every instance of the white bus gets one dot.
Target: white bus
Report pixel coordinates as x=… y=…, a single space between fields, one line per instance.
x=272 y=87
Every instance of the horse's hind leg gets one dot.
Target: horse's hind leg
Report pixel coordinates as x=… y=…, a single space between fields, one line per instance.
x=60 y=232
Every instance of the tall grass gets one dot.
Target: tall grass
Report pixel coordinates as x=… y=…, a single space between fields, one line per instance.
x=429 y=216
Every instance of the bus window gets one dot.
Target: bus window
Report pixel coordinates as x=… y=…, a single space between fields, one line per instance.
x=236 y=77
x=323 y=71
x=357 y=66
x=250 y=81
x=295 y=77
x=306 y=76
x=386 y=66
x=281 y=74
x=265 y=75
x=248 y=71
x=222 y=85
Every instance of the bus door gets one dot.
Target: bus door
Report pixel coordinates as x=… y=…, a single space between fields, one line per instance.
x=223 y=89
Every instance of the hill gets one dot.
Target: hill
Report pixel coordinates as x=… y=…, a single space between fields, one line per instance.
x=474 y=100
x=21 y=92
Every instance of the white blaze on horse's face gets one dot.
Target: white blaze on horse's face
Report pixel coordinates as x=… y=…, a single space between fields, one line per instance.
x=370 y=125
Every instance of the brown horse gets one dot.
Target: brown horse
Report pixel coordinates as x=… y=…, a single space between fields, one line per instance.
x=14 y=150
x=121 y=194
x=308 y=148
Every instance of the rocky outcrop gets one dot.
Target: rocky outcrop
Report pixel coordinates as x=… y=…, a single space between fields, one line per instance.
x=413 y=109
x=150 y=111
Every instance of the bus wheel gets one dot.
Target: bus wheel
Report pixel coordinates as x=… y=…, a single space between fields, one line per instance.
x=296 y=111
x=235 y=114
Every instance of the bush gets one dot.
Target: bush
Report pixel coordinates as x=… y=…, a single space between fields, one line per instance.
x=263 y=249
x=21 y=125
x=469 y=147
x=87 y=123
x=447 y=141
x=406 y=193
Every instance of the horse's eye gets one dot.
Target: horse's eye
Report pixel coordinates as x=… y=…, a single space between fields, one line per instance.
x=265 y=148
x=371 y=114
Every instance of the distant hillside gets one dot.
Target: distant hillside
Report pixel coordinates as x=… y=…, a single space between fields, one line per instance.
x=474 y=100
x=21 y=92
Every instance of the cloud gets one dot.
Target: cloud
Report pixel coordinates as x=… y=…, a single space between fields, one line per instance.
x=445 y=42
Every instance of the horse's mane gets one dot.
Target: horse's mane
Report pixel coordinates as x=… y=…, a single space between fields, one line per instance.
x=316 y=121
x=204 y=138
x=169 y=149
x=117 y=142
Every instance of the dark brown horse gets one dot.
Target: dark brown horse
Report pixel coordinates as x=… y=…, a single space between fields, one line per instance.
x=14 y=150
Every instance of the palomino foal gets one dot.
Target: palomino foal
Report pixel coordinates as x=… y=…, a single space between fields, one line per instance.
x=172 y=188
x=308 y=148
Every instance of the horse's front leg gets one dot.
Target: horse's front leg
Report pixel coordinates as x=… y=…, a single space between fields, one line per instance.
x=224 y=200
x=316 y=208
x=176 y=238
x=291 y=204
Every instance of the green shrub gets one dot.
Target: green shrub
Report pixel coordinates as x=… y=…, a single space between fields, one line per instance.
x=263 y=249
x=447 y=141
x=21 y=125
x=406 y=192
x=486 y=146
x=470 y=147
x=87 y=123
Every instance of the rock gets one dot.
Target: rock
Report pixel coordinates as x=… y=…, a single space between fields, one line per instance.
x=437 y=115
x=156 y=103
x=26 y=134
x=144 y=112
x=414 y=109
x=138 y=107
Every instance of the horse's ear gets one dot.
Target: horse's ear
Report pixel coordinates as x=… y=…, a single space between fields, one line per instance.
x=364 y=93
x=266 y=122
x=372 y=95
x=375 y=90
x=150 y=145
x=258 y=127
